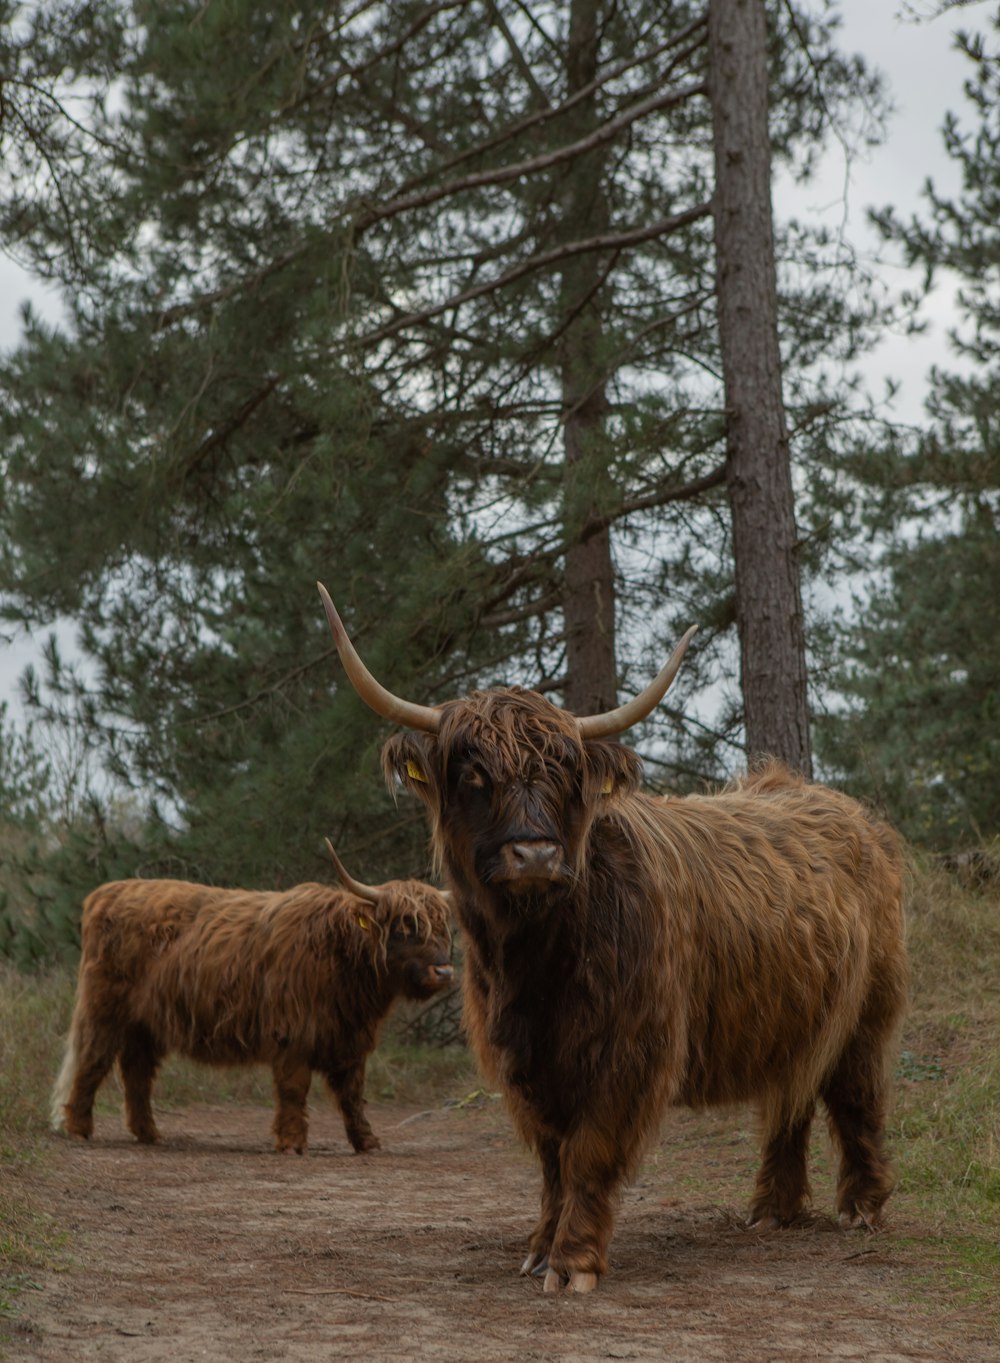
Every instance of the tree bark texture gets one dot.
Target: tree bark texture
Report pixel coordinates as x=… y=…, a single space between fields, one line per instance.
x=588 y=595
x=759 y=481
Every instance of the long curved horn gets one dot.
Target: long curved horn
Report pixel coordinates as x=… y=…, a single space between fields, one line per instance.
x=373 y=693
x=371 y=893
x=617 y=721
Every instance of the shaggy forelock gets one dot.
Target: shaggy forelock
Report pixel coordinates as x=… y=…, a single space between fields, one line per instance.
x=415 y=906
x=514 y=733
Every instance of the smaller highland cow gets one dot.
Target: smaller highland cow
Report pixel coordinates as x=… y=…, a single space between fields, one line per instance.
x=299 y=980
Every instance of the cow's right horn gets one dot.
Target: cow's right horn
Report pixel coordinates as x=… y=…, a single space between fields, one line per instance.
x=373 y=693
x=370 y=893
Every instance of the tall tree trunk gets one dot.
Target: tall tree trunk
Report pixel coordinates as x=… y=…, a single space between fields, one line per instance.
x=588 y=592
x=768 y=592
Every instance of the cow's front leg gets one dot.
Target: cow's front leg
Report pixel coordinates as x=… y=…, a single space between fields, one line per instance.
x=591 y=1170
x=540 y=1243
x=348 y=1084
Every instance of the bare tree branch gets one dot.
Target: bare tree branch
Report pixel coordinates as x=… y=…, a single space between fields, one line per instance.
x=606 y=241
x=517 y=170
x=520 y=61
x=532 y=121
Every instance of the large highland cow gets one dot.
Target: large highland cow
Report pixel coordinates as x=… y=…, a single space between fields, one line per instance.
x=299 y=980
x=625 y=952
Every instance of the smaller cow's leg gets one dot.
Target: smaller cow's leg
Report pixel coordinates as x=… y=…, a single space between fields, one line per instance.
x=782 y=1186
x=855 y=1097
x=95 y=1054
x=348 y=1085
x=292 y=1077
x=540 y=1243
x=138 y=1063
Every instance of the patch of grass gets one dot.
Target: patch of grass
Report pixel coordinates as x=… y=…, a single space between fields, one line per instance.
x=34 y=1013
x=184 y=1083
x=946 y=1129
x=973 y=1268
x=949 y=1270
x=404 y=1073
x=34 y=1018
x=945 y=1133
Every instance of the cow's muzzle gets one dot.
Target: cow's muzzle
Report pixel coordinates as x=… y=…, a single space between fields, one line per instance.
x=529 y=863
x=439 y=976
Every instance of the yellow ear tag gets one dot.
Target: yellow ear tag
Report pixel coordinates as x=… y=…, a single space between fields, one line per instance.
x=414 y=772
x=608 y=786
x=364 y=923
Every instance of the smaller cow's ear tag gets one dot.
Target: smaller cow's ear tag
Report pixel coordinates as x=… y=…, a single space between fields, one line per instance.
x=414 y=772
x=608 y=786
x=363 y=923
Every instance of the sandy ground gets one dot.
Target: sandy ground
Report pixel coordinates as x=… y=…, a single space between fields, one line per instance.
x=212 y=1247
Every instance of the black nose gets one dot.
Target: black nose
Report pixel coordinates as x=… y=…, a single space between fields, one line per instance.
x=535 y=858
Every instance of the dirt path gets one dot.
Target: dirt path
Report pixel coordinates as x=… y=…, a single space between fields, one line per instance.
x=211 y=1247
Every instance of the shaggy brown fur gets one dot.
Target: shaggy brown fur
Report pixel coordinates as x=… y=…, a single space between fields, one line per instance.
x=625 y=953
x=299 y=980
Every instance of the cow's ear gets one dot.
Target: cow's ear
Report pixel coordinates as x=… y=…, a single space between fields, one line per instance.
x=614 y=770
x=372 y=931
x=406 y=758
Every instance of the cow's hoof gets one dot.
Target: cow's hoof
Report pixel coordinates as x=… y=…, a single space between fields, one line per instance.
x=764 y=1223
x=858 y=1220
x=582 y=1282
x=578 y=1283
x=535 y=1266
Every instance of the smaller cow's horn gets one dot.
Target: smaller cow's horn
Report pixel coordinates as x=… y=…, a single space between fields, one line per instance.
x=617 y=721
x=373 y=693
x=370 y=893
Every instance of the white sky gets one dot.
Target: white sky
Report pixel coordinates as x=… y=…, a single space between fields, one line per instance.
x=925 y=76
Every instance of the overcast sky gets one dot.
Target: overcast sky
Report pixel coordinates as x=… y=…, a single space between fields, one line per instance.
x=925 y=75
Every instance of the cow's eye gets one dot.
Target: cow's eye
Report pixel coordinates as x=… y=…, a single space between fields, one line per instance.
x=473 y=778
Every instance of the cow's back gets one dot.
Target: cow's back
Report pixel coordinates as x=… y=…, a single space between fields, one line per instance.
x=126 y=925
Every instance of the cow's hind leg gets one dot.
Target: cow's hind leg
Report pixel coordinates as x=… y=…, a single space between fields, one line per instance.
x=782 y=1186
x=855 y=1097
x=138 y=1063
x=94 y=1055
x=348 y=1085
x=540 y=1243
x=292 y=1077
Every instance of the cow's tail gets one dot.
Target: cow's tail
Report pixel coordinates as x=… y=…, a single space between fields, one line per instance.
x=67 y=1073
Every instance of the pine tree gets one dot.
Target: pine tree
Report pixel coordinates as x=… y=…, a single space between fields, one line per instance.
x=758 y=462
x=326 y=319
x=923 y=729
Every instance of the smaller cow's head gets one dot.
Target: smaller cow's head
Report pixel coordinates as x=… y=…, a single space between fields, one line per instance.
x=512 y=783
x=406 y=925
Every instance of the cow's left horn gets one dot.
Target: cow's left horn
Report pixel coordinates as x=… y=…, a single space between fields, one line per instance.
x=373 y=693
x=370 y=893
x=617 y=721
